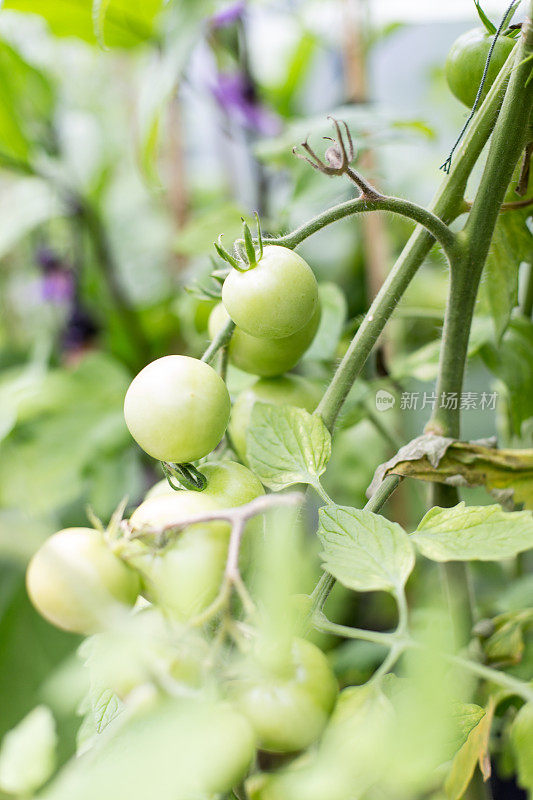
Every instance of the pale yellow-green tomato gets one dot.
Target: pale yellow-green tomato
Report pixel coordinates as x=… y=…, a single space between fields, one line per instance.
x=288 y=703
x=184 y=577
x=75 y=580
x=273 y=299
x=266 y=357
x=177 y=409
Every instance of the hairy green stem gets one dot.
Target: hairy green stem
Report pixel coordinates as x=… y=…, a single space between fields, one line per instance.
x=322 y=623
x=507 y=144
x=447 y=205
x=506 y=147
x=399 y=641
x=436 y=227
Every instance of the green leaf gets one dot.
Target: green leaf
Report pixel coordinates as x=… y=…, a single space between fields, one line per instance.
x=522 y=744
x=474 y=751
x=465 y=717
x=489 y=26
x=511 y=363
x=480 y=533
x=287 y=445
x=332 y=320
x=82 y=405
x=120 y=23
x=28 y=753
x=511 y=244
x=26 y=108
x=363 y=550
x=102 y=706
x=23 y=207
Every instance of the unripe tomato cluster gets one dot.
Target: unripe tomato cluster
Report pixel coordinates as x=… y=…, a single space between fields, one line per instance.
x=178 y=409
x=276 y=310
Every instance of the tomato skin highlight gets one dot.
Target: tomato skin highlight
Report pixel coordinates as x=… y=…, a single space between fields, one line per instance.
x=264 y=357
x=228 y=482
x=177 y=409
x=466 y=61
x=288 y=705
x=273 y=299
x=290 y=390
x=75 y=580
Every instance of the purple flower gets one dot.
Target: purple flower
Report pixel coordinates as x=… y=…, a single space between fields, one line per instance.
x=237 y=96
x=57 y=286
x=228 y=15
x=57 y=283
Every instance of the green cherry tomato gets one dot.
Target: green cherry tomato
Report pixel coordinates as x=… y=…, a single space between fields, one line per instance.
x=466 y=61
x=177 y=409
x=307 y=778
x=228 y=482
x=74 y=580
x=290 y=390
x=184 y=577
x=288 y=704
x=265 y=357
x=274 y=299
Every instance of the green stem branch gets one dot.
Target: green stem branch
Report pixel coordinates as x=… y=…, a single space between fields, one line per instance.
x=433 y=224
x=507 y=144
x=221 y=340
x=447 y=205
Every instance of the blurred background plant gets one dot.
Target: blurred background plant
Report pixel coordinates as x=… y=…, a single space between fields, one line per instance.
x=133 y=133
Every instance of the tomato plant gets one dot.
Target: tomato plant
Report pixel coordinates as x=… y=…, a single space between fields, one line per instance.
x=253 y=629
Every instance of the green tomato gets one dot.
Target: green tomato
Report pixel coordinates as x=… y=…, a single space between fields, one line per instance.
x=265 y=357
x=176 y=749
x=184 y=577
x=290 y=390
x=75 y=580
x=274 y=299
x=288 y=703
x=466 y=61
x=228 y=482
x=177 y=409
x=308 y=778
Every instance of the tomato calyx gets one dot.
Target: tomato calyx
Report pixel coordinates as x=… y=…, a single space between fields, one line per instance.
x=186 y=474
x=247 y=256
